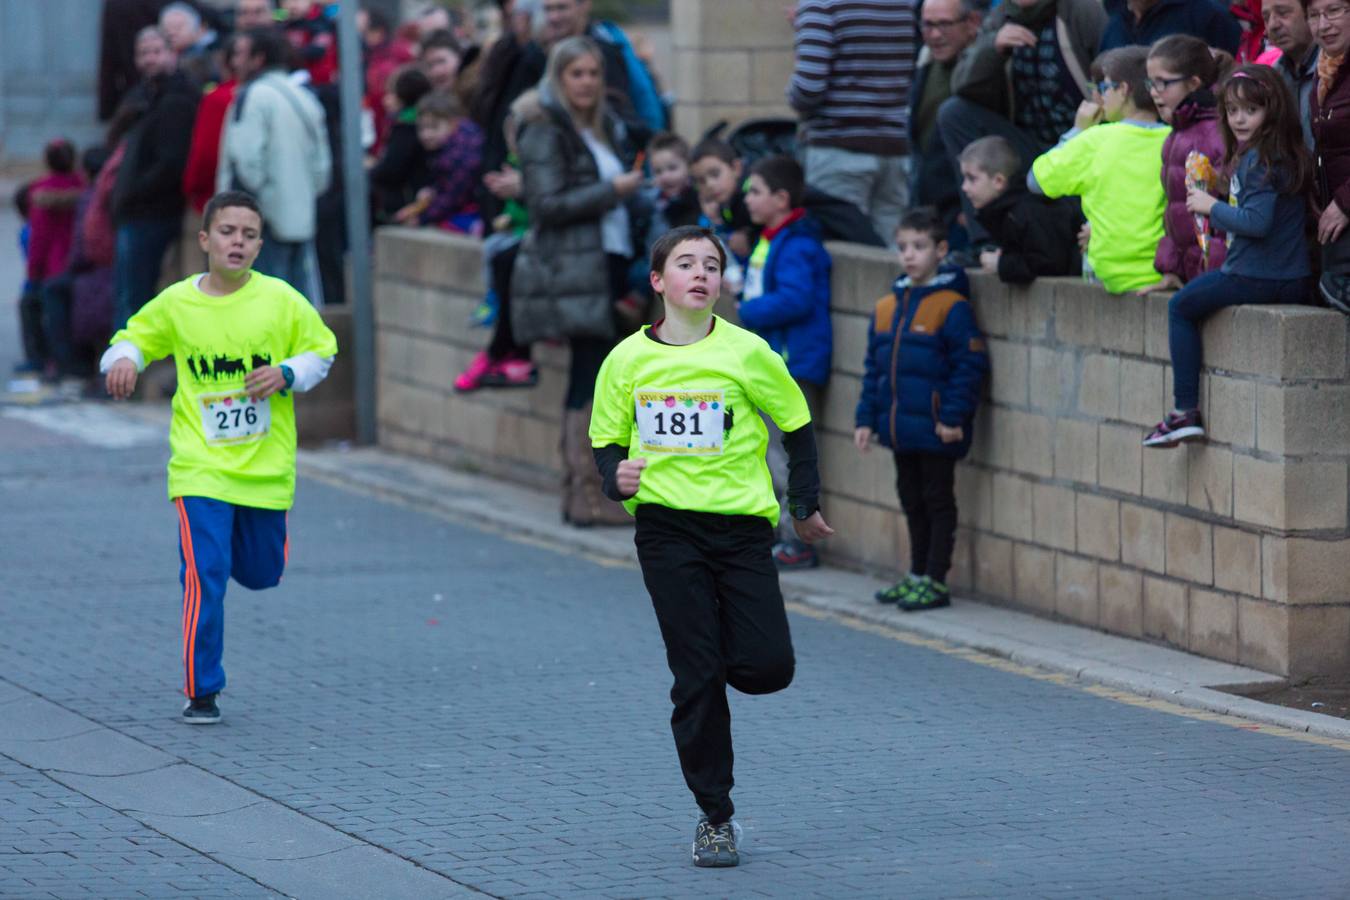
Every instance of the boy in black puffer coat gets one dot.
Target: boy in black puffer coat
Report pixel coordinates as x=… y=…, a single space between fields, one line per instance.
x=926 y=360
x=1035 y=236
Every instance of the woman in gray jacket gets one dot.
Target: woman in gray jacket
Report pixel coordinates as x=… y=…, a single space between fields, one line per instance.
x=576 y=171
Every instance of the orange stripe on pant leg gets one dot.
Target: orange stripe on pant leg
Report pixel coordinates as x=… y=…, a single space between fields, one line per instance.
x=192 y=602
x=187 y=582
x=183 y=541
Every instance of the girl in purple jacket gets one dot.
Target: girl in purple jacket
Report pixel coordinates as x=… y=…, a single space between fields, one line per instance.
x=1181 y=72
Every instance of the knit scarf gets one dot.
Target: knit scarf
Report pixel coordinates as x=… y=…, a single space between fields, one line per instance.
x=1033 y=16
x=1327 y=67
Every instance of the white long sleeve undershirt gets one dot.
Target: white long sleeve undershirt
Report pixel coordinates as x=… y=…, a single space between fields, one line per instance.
x=310 y=368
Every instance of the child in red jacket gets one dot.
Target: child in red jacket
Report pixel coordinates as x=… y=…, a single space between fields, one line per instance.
x=52 y=199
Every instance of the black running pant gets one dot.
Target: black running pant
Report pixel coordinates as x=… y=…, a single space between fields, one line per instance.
x=715 y=591
x=926 y=484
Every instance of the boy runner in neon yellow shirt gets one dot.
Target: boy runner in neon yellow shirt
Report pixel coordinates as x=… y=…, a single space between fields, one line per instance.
x=242 y=344
x=679 y=439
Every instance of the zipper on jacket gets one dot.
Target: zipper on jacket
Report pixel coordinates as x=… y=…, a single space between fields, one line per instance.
x=895 y=358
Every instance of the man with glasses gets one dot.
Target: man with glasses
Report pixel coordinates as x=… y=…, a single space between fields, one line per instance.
x=851 y=87
x=1145 y=21
x=948 y=27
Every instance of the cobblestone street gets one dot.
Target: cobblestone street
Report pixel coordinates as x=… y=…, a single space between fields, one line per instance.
x=429 y=709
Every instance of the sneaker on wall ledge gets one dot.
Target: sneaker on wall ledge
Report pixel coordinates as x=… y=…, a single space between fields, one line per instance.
x=1175 y=428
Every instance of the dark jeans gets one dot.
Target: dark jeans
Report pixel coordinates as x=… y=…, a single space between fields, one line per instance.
x=715 y=591
x=58 y=294
x=287 y=260
x=588 y=353
x=35 y=344
x=960 y=122
x=330 y=248
x=503 y=344
x=1192 y=305
x=926 y=484
x=140 y=248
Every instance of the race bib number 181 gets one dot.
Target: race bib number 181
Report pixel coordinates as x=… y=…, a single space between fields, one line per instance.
x=683 y=422
x=234 y=418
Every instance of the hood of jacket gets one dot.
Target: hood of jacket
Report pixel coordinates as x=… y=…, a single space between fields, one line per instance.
x=540 y=105
x=1197 y=107
x=1001 y=205
x=947 y=277
x=1031 y=16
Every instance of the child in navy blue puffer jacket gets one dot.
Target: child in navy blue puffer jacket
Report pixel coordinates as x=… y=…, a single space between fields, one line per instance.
x=926 y=360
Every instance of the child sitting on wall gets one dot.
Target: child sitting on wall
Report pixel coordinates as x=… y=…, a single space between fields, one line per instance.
x=1116 y=167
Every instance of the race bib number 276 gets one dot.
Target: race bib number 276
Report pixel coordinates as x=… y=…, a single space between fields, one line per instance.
x=681 y=422
x=234 y=418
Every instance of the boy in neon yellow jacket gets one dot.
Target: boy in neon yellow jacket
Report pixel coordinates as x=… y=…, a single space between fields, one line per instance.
x=1116 y=167
x=243 y=343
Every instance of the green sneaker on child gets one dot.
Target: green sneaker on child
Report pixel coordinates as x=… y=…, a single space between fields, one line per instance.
x=900 y=592
x=929 y=594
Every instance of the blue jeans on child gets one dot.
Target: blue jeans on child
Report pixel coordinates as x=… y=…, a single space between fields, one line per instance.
x=217 y=541
x=1208 y=293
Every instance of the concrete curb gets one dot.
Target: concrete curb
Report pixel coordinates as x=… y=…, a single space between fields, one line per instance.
x=1119 y=663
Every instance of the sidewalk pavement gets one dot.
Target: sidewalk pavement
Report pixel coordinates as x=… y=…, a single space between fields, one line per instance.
x=1080 y=653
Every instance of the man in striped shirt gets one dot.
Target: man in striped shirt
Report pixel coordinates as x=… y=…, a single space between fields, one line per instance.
x=850 y=85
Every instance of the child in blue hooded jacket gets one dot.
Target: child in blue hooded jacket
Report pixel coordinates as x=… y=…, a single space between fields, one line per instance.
x=786 y=301
x=926 y=360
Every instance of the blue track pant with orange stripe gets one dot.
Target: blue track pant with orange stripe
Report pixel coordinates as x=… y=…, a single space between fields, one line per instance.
x=217 y=541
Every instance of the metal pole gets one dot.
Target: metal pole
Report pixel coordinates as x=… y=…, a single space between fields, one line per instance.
x=358 y=221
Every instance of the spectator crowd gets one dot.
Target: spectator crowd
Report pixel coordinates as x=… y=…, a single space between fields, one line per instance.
x=1195 y=146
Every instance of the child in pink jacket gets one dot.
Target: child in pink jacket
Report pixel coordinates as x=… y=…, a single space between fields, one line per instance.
x=1181 y=73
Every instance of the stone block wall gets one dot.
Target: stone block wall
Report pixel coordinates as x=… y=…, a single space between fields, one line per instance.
x=427 y=285
x=1236 y=549
x=732 y=61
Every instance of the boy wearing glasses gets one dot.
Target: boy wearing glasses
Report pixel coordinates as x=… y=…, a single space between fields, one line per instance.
x=1116 y=168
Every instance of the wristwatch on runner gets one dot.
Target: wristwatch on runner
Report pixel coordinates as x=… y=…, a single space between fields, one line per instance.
x=801 y=512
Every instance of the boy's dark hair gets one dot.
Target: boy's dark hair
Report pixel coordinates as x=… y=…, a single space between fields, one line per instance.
x=926 y=220
x=1129 y=65
x=714 y=147
x=409 y=85
x=23 y=199
x=668 y=141
x=93 y=160
x=782 y=173
x=271 y=45
x=59 y=155
x=992 y=155
x=666 y=244
x=439 y=106
x=442 y=39
x=226 y=199
x=378 y=20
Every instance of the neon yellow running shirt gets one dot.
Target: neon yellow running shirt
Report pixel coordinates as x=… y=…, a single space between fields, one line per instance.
x=1117 y=169
x=223 y=445
x=692 y=412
